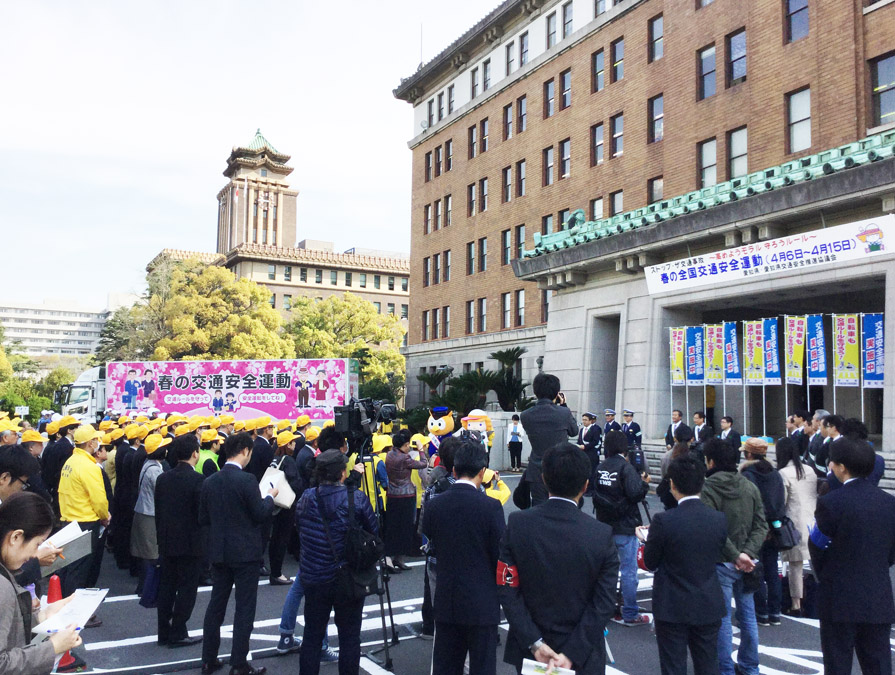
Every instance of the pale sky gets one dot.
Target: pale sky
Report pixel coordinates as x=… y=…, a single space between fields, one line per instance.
x=118 y=118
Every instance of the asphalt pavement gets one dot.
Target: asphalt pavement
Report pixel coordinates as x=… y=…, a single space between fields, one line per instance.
x=126 y=642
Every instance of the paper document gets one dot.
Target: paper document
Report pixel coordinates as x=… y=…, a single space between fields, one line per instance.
x=68 y=533
x=77 y=548
x=77 y=612
x=530 y=667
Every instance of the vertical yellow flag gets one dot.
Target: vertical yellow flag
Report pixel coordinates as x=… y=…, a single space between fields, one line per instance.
x=753 y=352
x=795 y=349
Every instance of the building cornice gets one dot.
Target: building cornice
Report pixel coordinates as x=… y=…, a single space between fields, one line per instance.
x=365 y=263
x=495 y=340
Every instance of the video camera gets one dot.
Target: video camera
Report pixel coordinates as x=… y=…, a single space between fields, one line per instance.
x=359 y=419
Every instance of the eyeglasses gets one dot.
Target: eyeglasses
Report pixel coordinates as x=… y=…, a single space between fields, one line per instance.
x=25 y=484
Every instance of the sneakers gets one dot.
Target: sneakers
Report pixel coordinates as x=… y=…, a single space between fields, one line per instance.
x=641 y=620
x=329 y=655
x=774 y=620
x=762 y=621
x=288 y=644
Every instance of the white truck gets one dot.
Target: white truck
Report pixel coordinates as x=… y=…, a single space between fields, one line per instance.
x=85 y=398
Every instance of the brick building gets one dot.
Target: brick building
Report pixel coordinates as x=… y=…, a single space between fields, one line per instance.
x=625 y=111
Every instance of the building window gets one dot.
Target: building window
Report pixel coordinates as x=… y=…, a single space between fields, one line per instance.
x=520 y=240
x=448 y=155
x=596 y=144
x=545 y=305
x=703 y=3
x=473 y=83
x=377 y=281
x=470 y=317
x=596 y=208
x=656 y=107
x=334 y=278
x=473 y=140
x=446 y=321
x=547 y=224
x=427 y=219
x=551 y=30
x=883 y=89
x=287 y=273
x=439 y=151
x=404 y=311
x=435 y=313
x=506 y=184
x=447 y=266
x=348 y=279
x=598 y=80
x=510 y=52
x=428 y=166
x=548 y=166
x=618 y=59
x=708 y=163
x=427 y=272
x=523 y=49
x=565 y=158
x=506 y=306
x=391 y=283
x=483 y=254
x=271 y=272
x=450 y=97
x=430 y=112
x=796 y=19
x=483 y=313
x=655 y=189
x=425 y=324
x=736 y=58
x=303 y=275
x=616 y=203
x=448 y=203
x=737 y=164
x=521 y=114
x=508 y=122
x=520 y=178
x=506 y=249
x=264 y=173
x=549 y=98
x=706 y=58
x=377 y=305
x=656 y=39
x=318 y=276
x=484 y=127
x=617 y=128
x=601 y=6
x=567 y=20
x=441 y=106
x=470 y=258
x=520 y=308
x=390 y=307
x=404 y=284
x=362 y=282
x=798 y=107
x=470 y=200
x=565 y=85
x=483 y=194
x=273 y=300
x=563 y=218
x=486 y=74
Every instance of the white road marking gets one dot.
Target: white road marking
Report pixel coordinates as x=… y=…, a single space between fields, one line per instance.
x=202 y=589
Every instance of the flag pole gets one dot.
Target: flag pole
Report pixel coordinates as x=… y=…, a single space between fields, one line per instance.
x=744 y=375
x=835 y=365
x=705 y=373
x=670 y=370
x=783 y=376
x=807 y=367
x=723 y=369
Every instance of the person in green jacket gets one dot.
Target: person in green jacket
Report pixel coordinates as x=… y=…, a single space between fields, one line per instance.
x=739 y=500
x=208 y=454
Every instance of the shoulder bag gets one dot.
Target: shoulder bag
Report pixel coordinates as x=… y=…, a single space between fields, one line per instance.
x=786 y=536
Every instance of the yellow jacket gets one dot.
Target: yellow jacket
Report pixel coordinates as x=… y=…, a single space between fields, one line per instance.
x=500 y=491
x=82 y=495
x=371 y=479
x=109 y=466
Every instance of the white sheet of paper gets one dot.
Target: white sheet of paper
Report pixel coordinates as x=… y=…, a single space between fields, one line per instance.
x=79 y=547
x=77 y=612
x=67 y=534
x=530 y=667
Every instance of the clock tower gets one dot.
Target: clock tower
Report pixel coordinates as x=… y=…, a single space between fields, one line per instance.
x=257 y=205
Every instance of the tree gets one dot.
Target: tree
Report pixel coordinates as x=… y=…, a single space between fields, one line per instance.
x=466 y=392
x=434 y=380
x=53 y=380
x=348 y=327
x=510 y=389
x=5 y=366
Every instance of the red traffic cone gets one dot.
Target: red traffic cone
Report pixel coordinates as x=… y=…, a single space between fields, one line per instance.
x=54 y=594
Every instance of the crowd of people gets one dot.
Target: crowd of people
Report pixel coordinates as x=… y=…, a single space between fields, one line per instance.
x=184 y=501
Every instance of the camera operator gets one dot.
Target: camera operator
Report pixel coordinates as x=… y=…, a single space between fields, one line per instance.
x=547 y=423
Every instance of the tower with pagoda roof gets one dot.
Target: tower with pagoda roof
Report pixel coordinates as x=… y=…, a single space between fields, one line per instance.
x=256 y=206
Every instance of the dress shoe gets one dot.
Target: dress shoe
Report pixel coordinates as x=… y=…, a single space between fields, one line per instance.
x=402 y=565
x=185 y=642
x=280 y=581
x=210 y=667
x=264 y=571
x=93 y=622
x=392 y=570
x=248 y=670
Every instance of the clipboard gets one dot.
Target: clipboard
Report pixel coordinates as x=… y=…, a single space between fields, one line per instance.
x=77 y=548
x=82 y=606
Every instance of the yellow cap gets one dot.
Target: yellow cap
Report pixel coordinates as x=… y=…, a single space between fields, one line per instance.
x=302 y=421
x=329 y=423
x=31 y=436
x=284 y=424
x=106 y=439
x=124 y=419
x=67 y=421
x=227 y=419
x=85 y=433
x=141 y=419
x=312 y=433
x=210 y=435
x=117 y=433
x=175 y=418
x=284 y=438
x=154 y=442
x=381 y=442
x=263 y=422
x=104 y=425
x=418 y=441
x=52 y=428
x=249 y=425
x=183 y=430
x=215 y=422
x=136 y=431
x=488 y=476
x=195 y=424
x=239 y=426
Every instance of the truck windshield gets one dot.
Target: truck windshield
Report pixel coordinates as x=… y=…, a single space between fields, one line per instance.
x=78 y=394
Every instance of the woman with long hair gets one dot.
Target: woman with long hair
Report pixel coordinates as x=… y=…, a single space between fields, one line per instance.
x=800 y=487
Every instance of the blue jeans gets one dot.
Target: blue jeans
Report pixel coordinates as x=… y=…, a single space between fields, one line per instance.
x=769 y=599
x=290 y=609
x=627 y=559
x=747 y=656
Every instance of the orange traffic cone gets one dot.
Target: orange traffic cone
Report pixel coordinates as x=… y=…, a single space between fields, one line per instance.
x=54 y=594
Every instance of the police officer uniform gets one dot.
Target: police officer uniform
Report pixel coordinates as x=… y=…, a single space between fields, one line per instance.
x=611 y=425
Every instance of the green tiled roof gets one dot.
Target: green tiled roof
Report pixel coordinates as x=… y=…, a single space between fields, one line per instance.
x=261 y=143
x=577 y=230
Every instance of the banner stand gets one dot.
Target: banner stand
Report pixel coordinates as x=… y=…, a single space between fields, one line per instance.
x=863 y=363
x=744 y=376
x=671 y=373
x=784 y=371
x=835 y=365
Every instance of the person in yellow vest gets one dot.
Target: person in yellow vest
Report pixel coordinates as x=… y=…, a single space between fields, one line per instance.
x=83 y=499
x=375 y=473
x=208 y=454
x=494 y=487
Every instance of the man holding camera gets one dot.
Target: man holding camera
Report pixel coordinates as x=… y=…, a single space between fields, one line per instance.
x=547 y=423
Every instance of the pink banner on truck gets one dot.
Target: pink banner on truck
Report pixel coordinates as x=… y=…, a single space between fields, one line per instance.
x=245 y=389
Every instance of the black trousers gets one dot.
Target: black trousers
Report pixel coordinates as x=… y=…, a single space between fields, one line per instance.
x=283 y=524
x=870 y=641
x=515 y=448
x=674 y=639
x=178 y=584
x=245 y=577
x=320 y=600
x=454 y=640
x=84 y=573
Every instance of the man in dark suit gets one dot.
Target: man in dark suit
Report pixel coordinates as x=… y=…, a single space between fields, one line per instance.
x=816 y=444
x=231 y=506
x=852 y=547
x=263 y=450
x=611 y=424
x=557 y=574
x=590 y=439
x=702 y=430
x=465 y=526
x=730 y=435
x=677 y=421
x=547 y=423
x=181 y=542
x=682 y=547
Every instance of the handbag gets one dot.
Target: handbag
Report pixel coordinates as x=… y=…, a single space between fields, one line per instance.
x=357 y=576
x=786 y=536
x=274 y=477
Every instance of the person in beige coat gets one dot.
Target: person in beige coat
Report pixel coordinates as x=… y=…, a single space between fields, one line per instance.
x=800 y=490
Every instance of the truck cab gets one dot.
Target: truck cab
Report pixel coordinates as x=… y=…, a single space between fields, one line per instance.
x=85 y=398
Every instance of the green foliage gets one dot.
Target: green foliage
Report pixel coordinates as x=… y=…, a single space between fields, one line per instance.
x=416 y=419
x=53 y=380
x=467 y=392
x=381 y=390
x=5 y=365
x=508 y=357
x=434 y=380
x=510 y=389
x=17 y=391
